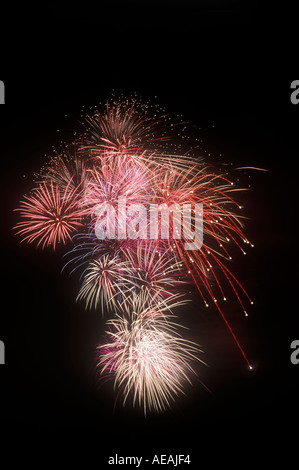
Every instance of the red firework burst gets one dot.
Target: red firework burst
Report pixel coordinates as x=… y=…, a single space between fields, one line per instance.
x=49 y=215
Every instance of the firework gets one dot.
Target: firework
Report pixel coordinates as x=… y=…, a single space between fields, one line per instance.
x=156 y=272
x=88 y=247
x=221 y=226
x=147 y=358
x=105 y=282
x=112 y=180
x=49 y=215
x=66 y=170
x=125 y=126
x=150 y=220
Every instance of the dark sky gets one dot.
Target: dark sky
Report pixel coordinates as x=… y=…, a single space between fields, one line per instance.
x=227 y=67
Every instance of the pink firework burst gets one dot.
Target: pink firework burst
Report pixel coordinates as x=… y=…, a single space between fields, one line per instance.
x=49 y=216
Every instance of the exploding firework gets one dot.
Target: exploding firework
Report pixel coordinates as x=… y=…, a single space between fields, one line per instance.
x=49 y=215
x=107 y=183
x=147 y=358
x=156 y=273
x=66 y=170
x=124 y=127
x=106 y=282
x=139 y=209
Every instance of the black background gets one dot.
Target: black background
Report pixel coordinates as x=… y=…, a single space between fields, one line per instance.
x=227 y=67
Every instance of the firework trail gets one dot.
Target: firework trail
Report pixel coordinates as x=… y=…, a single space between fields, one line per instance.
x=92 y=195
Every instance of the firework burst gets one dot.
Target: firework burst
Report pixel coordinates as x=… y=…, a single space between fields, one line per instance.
x=156 y=273
x=124 y=126
x=66 y=170
x=49 y=215
x=147 y=358
x=106 y=281
x=108 y=182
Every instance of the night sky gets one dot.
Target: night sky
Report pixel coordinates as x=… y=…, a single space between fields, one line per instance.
x=227 y=67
